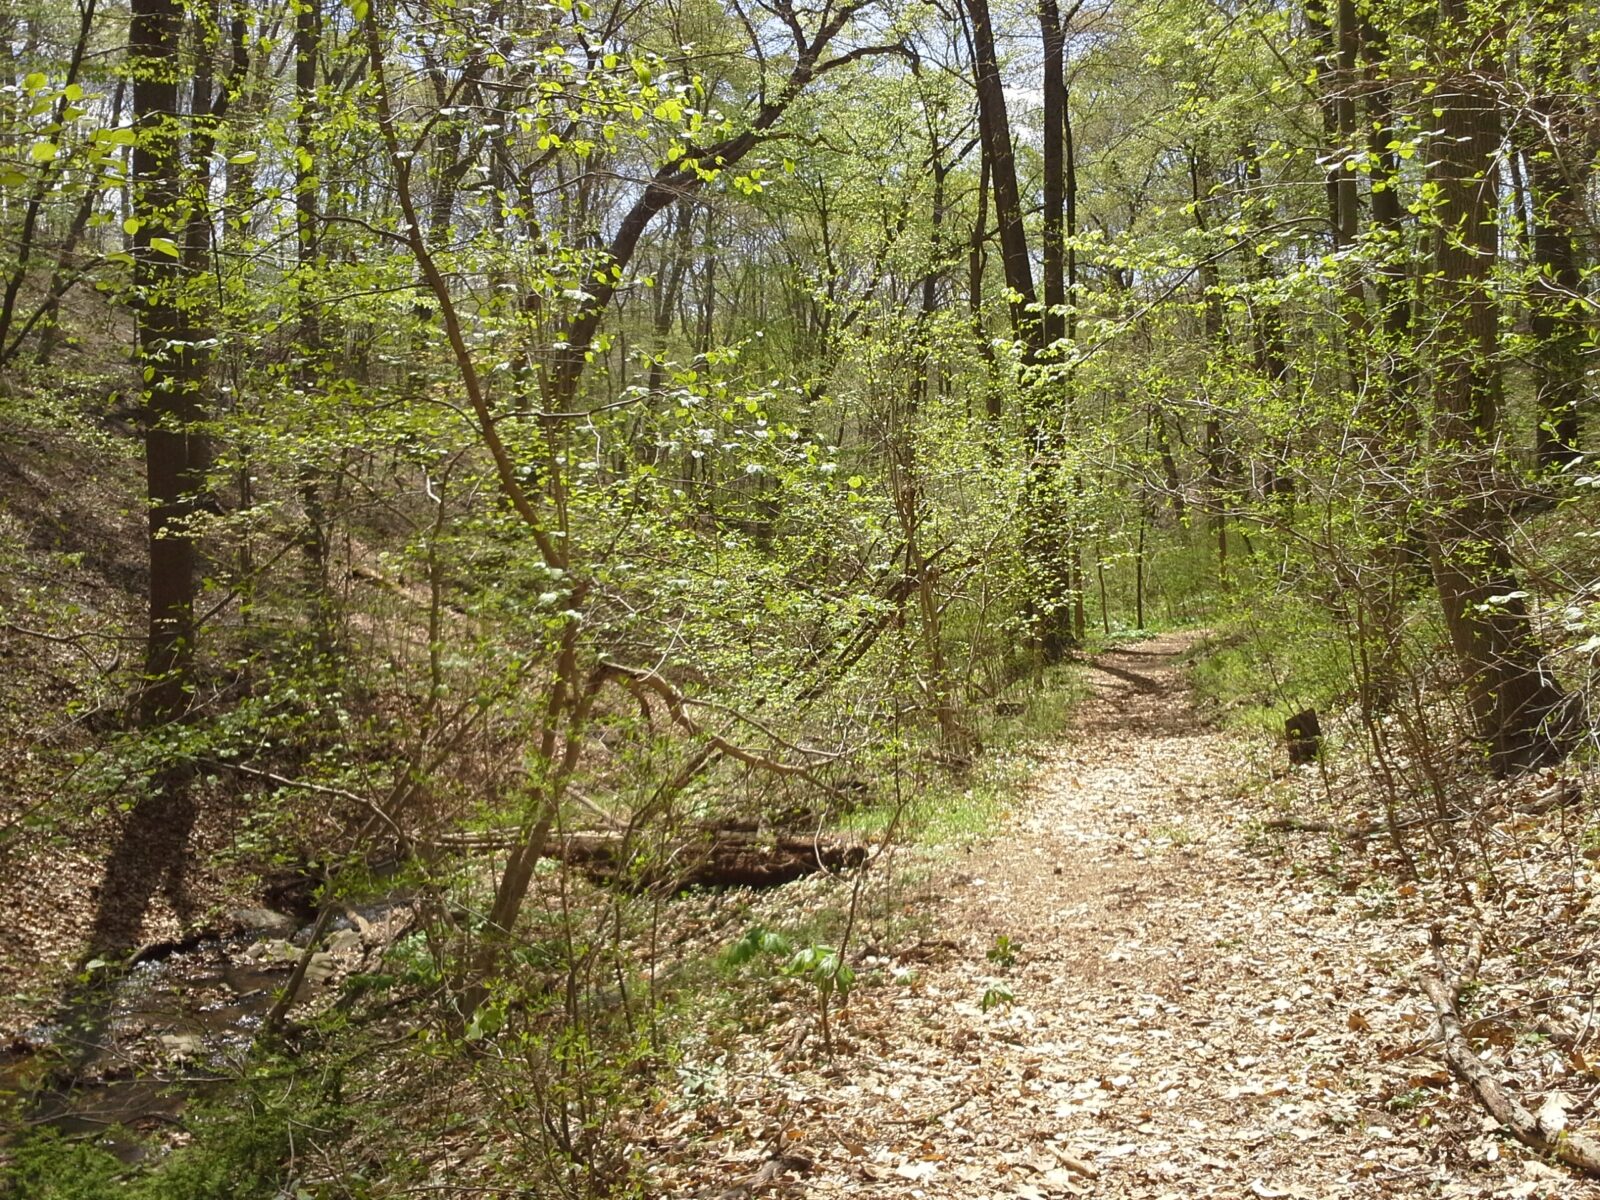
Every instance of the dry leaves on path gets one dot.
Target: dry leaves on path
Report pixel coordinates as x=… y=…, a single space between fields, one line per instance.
x=1138 y=998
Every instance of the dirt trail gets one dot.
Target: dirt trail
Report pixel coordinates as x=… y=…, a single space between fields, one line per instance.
x=1189 y=1018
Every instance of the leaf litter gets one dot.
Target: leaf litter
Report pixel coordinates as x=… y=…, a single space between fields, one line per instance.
x=1128 y=991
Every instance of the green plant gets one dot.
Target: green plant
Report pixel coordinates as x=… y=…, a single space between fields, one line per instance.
x=1173 y=835
x=829 y=975
x=413 y=962
x=1406 y=1100
x=47 y=1167
x=1003 y=952
x=755 y=942
x=1268 y=663
x=996 y=994
x=240 y=1148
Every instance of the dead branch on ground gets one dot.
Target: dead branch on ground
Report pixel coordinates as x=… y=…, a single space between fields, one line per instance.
x=1545 y=1132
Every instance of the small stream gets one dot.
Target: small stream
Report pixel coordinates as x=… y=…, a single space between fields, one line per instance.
x=175 y=1029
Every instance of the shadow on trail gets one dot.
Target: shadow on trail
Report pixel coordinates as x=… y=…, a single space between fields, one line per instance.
x=1141 y=682
x=1147 y=702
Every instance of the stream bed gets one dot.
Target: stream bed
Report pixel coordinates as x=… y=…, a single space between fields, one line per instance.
x=120 y=1067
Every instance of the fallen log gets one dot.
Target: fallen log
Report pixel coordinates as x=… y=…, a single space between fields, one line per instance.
x=1546 y=1132
x=716 y=858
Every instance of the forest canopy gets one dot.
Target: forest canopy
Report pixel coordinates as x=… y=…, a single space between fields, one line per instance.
x=437 y=433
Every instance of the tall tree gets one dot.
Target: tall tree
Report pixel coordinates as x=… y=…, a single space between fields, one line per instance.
x=173 y=450
x=994 y=130
x=1549 y=135
x=1053 y=231
x=1515 y=702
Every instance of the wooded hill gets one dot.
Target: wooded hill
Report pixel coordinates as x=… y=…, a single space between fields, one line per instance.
x=433 y=430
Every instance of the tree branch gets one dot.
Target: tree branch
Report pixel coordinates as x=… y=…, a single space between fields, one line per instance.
x=1543 y=1132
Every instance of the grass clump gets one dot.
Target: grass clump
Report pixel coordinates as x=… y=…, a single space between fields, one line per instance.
x=1258 y=670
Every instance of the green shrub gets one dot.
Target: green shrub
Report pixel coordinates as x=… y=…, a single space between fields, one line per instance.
x=239 y=1152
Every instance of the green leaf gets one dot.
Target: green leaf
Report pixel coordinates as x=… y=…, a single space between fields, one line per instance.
x=43 y=152
x=131 y=226
x=359 y=9
x=996 y=994
x=165 y=246
x=34 y=82
x=240 y=160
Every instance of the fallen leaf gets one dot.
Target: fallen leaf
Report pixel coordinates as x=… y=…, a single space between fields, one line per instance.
x=1553 y=1114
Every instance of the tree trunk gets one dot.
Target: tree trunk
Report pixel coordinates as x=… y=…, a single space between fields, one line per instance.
x=316 y=534
x=1057 y=595
x=1514 y=701
x=1345 y=195
x=1396 y=302
x=992 y=402
x=667 y=297
x=1391 y=423
x=1556 y=299
x=1337 y=119
x=1216 y=457
x=151 y=849
x=906 y=482
x=994 y=128
x=170 y=409
x=1169 y=466
x=1055 y=200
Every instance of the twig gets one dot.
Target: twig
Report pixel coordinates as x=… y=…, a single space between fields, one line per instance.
x=75 y=640
x=766 y=1175
x=1292 y=824
x=1576 y=1150
x=927 y=1118
x=676 y=702
x=321 y=789
x=272 y=1024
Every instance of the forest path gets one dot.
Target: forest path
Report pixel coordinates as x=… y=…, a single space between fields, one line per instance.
x=1189 y=1019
